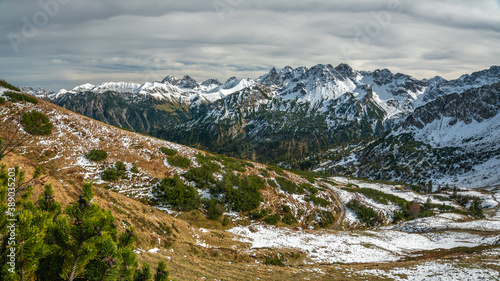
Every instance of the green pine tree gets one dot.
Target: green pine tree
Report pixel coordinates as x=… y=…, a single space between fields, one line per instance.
x=30 y=231
x=143 y=274
x=476 y=209
x=80 y=233
x=30 y=224
x=161 y=272
x=56 y=246
x=454 y=195
x=105 y=266
x=46 y=201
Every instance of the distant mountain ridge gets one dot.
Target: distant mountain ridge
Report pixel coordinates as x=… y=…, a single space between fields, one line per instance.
x=141 y=107
x=293 y=116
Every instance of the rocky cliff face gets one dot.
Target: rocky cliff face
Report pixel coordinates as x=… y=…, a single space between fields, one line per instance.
x=476 y=104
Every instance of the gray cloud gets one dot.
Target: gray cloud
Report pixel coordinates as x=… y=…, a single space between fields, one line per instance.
x=124 y=40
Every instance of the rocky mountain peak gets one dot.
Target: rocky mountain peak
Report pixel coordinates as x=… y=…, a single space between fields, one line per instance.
x=345 y=70
x=172 y=80
x=209 y=82
x=187 y=83
x=230 y=83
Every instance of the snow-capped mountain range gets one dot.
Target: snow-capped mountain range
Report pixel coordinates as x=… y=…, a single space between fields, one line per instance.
x=185 y=90
x=294 y=116
x=395 y=94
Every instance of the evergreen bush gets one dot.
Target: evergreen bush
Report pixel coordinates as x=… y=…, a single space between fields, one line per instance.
x=214 y=208
x=79 y=243
x=174 y=192
x=7 y=85
x=96 y=155
x=289 y=219
x=324 y=218
x=15 y=97
x=179 y=161
x=365 y=214
x=272 y=219
x=36 y=123
x=168 y=151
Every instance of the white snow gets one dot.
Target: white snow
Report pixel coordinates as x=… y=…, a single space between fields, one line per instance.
x=154 y=250
x=352 y=247
x=435 y=271
x=449 y=221
x=440 y=133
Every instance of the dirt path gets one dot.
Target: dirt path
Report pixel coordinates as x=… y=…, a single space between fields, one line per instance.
x=342 y=210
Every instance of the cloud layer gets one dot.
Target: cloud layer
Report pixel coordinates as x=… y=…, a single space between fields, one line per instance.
x=61 y=43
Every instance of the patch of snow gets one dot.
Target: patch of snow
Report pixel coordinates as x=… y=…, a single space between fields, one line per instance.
x=154 y=250
x=353 y=247
x=435 y=271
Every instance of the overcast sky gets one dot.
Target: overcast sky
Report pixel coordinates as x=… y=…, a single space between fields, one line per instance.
x=63 y=43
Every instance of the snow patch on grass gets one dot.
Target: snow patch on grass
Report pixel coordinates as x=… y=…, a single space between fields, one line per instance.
x=353 y=247
x=435 y=271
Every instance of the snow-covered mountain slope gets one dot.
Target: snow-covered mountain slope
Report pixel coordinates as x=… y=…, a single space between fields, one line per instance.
x=394 y=93
x=295 y=112
x=450 y=140
x=185 y=90
x=142 y=107
x=467 y=119
x=339 y=93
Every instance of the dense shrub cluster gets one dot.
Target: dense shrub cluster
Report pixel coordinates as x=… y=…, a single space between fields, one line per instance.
x=114 y=173
x=4 y=84
x=324 y=218
x=289 y=186
x=15 y=97
x=203 y=176
x=179 y=161
x=272 y=219
x=168 y=151
x=36 y=123
x=264 y=173
x=241 y=194
x=270 y=260
x=310 y=176
x=289 y=219
x=231 y=164
x=318 y=201
x=272 y=183
x=96 y=155
x=174 y=192
x=214 y=208
x=276 y=169
x=379 y=196
x=413 y=210
x=257 y=215
x=365 y=214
